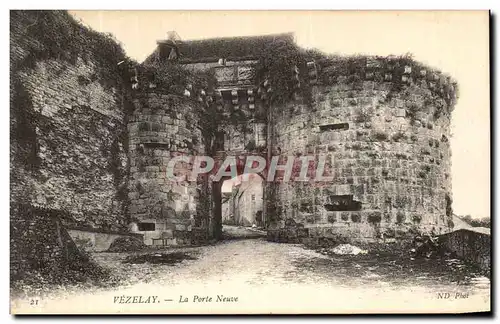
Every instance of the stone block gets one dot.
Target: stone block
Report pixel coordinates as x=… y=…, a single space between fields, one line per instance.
x=401 y=112
x=180 y=227
x=167 y=234
x=171 y=242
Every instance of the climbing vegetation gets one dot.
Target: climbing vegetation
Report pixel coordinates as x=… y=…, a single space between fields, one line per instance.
x=283 y=70
x=56 y=35
x=173 y=78
x=277 y=64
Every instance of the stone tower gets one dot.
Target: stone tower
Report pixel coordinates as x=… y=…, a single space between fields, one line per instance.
x=383 y=124
x=385 y=127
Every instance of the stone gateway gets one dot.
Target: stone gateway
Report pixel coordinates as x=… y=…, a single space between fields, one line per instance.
x=97 y=154
x=382 y=122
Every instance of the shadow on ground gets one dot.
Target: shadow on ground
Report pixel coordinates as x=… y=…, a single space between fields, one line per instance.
x=393 y=269
x=170 y=258
x=231 y=232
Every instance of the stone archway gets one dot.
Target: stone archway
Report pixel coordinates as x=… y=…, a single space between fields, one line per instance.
x=217 y=194
x=382 y=133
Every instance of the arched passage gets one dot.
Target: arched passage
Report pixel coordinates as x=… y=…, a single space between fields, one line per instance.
x=242 y=201
x=238 y=200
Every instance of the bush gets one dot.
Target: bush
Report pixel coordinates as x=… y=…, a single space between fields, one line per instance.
x=43 y=254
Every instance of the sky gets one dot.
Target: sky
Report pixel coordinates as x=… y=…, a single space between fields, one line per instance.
x=455 y=42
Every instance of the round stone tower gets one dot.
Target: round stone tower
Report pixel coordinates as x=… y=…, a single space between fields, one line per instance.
x=161 y=127
x=384 y=126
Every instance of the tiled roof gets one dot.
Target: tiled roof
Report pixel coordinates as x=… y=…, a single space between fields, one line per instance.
x=212 y=49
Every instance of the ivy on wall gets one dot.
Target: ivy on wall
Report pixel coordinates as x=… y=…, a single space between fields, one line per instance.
x=56 y=35
x=24 y=127
x=399 y=73
x=198 y=88
x=173 y=78
x=277 y=64
x=38 y=36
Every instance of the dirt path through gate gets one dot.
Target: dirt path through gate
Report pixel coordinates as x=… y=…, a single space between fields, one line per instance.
x=265 y=276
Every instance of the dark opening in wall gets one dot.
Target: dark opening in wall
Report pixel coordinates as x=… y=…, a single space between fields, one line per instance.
x=157 y=145
x=329 y=127
x=219 y=141
x=227 y=96
x=342 y=203
x=146 y=227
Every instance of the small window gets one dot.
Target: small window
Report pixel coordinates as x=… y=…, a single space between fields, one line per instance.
x=253 y=197
x=342 y=203
x=146 y=227
x=329 y=127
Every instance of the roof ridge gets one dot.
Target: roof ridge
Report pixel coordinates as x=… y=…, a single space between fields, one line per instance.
x=242 y=37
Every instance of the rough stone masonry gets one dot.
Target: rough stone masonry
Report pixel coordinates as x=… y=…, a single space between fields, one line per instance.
x=390 y=153
x=68 y=123
x=68 y=159
x=383 y=122
x=95 y=146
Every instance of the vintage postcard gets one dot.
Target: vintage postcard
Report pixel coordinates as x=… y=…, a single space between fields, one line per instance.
x=249 y=162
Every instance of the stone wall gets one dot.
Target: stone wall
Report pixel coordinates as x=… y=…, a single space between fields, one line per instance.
x=87 y=147
x=248 y=201
x=472 y=244
x=161 y=127
x=42 y=250
x=385 y=131
x=97 y=241
x=68 y=129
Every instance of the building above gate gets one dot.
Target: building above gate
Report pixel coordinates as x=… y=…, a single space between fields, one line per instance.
x=212 y=50
x=232 y=61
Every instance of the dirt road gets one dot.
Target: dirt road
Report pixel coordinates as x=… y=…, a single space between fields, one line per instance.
x=256 y=276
